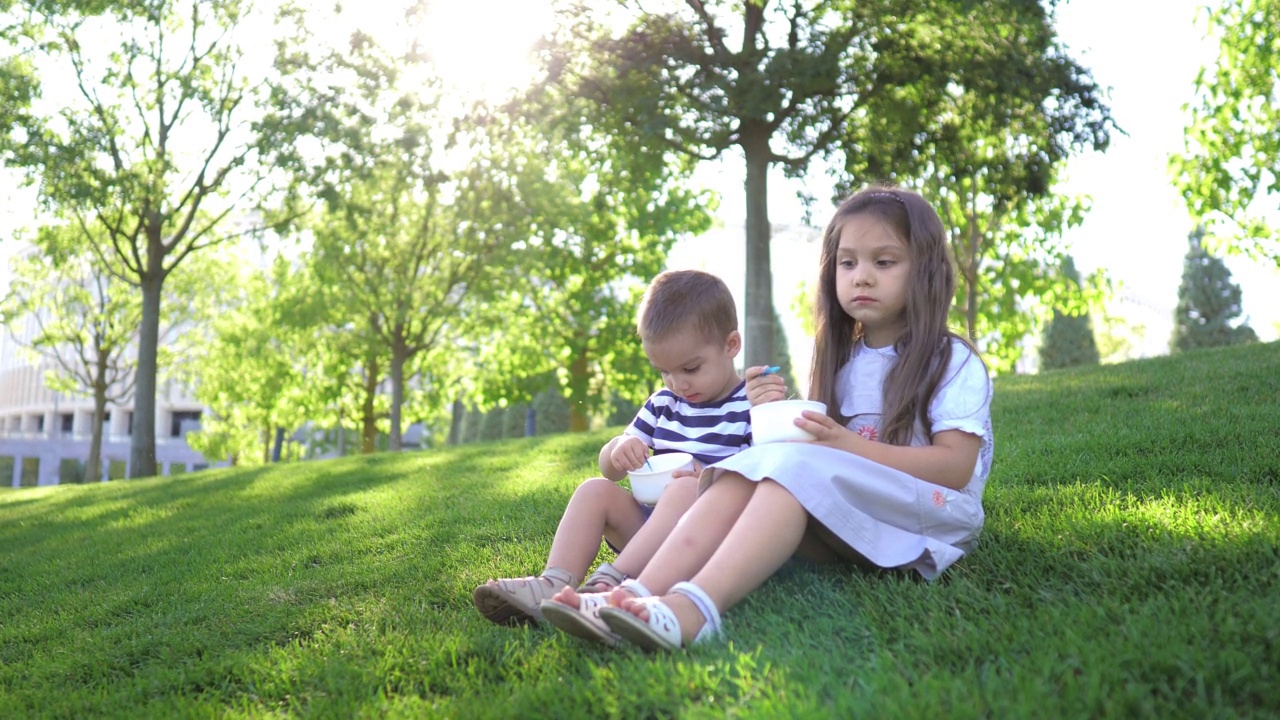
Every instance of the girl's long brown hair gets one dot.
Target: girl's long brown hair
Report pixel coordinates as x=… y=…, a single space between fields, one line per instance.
x=924 y=347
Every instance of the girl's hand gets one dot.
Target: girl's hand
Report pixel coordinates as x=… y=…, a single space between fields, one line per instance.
x=828 y=432
x=629 y=454
x=764 y=388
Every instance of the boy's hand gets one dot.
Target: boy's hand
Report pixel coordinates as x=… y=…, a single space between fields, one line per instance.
x=763 y=388
x=629 y=454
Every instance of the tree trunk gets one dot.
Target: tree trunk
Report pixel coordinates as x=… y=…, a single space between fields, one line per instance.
x=578 y=383
x=93 y=467
x=970 y=280
x=275 y=450
x=369 y=419
x=758 y=333
x=142 y=444
x=399 y=354
x=455 y=422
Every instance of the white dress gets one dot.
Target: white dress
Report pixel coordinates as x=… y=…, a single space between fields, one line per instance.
x=893 y=519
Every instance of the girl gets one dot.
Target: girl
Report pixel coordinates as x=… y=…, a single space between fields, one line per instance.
x=896 y=473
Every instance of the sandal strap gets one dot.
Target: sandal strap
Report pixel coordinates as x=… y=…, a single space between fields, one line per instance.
x=712 y=627
x=606 y=575
x=558 y=576
x=590 y=603
x=636 y=587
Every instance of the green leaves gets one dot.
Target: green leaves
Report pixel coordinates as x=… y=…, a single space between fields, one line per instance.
x=976 y=101
x=978 y=106
x=1228 y=171
x=602 y=212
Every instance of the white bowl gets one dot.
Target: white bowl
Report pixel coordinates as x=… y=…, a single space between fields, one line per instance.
x=774 y=421
x=648 y=482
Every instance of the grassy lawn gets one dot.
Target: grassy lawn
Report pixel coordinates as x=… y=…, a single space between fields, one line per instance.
x=1129 y=568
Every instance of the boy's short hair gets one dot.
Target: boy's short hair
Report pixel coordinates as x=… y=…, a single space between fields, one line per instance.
x=678 y=300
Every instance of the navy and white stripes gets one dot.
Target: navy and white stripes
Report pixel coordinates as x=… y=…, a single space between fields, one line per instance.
x=709 y=431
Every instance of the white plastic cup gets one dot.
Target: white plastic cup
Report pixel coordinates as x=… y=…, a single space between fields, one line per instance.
x=648 y=482
x=775 y=421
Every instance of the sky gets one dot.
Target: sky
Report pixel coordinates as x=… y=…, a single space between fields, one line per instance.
x=1146 y=52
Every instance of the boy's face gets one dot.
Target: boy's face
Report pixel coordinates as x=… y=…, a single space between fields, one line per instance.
x=696 y=369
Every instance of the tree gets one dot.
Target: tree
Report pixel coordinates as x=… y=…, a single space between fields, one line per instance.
x=1228 y=170
x=254 y=369
x=19 y=83
x=152 y=156
x=551 y=412
x=990 y=134
x=1208 y=302
x=87 y=320
x=86 y=325
x=803 y=80
x=406 y=240
x=601 y=219
x=1068 y=340
x=783 y=357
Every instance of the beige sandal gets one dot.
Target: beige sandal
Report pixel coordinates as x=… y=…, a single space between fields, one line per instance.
x=605 y=578
x=515 y=600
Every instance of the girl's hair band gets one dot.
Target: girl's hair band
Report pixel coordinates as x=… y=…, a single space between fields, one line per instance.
x=883 y=194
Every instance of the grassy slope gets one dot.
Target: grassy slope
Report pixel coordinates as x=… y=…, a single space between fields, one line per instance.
x=1129 y=568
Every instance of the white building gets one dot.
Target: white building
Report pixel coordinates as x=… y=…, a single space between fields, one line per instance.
x=44 y=435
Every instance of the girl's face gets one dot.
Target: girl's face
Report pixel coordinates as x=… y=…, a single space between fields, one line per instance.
x=873 y=269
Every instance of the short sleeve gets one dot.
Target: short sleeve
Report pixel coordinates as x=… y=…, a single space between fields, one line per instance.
x=643 y=424
x=963 y=399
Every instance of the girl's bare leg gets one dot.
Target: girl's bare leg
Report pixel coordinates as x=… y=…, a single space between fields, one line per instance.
x=767 y=532
x=674 y=503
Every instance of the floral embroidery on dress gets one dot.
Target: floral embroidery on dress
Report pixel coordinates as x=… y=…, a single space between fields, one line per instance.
x=939 y=499
x=870 y=432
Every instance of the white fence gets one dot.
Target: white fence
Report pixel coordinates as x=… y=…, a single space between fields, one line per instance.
x=39 y=460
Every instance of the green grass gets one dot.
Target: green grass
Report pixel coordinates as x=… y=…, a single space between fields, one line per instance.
x=1129 y=568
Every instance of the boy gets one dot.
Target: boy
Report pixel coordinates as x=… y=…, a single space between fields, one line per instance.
x=688 y=326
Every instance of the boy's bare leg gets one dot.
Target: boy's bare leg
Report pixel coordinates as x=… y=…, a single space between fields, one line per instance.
x=695 y=537
x=766 y=535
x=598 y=508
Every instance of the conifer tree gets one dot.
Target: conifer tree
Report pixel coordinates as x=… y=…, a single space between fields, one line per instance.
x=1068 y=340
x=552 y=412
x=1208 y=302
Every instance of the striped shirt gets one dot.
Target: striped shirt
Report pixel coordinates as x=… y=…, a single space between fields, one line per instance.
x=709 y=431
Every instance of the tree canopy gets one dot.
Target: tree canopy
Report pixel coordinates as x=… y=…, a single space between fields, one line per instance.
x=890 y=90
x=997 y=111
x=152 y=154
x=1228 y=172
x=602 y=215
